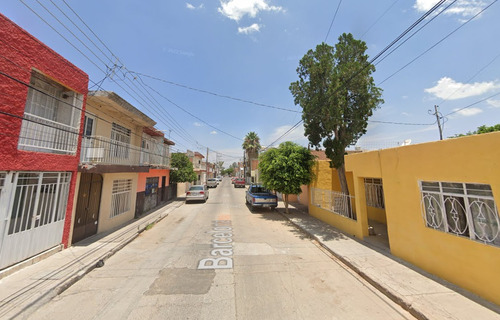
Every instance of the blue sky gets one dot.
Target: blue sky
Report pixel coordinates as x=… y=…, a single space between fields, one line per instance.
x=210 y=55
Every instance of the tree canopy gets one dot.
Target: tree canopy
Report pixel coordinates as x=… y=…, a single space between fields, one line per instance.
x=286 y=168
x=182 y=169
x=480 y=130
x=337 y=94
x=251 y=143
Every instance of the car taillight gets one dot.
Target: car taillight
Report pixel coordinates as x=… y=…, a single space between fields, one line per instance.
x=253 y=200
x=188 y=193
x=202 y=192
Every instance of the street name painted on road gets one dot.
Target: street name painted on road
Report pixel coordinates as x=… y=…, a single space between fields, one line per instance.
x=222 y=244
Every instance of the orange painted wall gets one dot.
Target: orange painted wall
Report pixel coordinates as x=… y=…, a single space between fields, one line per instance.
x=141 y=182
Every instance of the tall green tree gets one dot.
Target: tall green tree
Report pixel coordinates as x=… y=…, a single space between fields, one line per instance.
x=251 y=145
x=286 y=168
x=182 y=169
x=337 y=94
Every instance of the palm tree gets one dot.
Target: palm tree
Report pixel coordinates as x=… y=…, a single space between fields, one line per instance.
x=252 y=146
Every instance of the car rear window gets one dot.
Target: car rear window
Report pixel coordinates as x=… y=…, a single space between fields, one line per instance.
x=196 y=188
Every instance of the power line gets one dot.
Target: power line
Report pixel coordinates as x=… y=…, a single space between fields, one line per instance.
x=378 y=19
x=437 y=43
x=214 y=93
x=333 y=19
x=473 y=104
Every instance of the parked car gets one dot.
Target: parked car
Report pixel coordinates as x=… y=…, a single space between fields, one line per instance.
x=258 y=196
x=212 y=183
x=239 y=183
x=197 y=193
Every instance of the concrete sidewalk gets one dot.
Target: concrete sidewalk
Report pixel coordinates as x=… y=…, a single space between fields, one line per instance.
x=23 y=291
x=416 y=292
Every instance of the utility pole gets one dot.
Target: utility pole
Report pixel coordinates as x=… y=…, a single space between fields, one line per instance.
x=244 y=166
x=206 y=168
x=439 y=116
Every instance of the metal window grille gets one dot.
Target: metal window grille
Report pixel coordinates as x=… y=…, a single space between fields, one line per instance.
x=374 y=193
x=121 y=196
x=51 y=118
x=463 y=209
x=120 y=142
x=40 y=198
x=333 y=201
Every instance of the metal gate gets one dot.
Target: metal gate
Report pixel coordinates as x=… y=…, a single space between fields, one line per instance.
x=87 y=206
x=32 y=212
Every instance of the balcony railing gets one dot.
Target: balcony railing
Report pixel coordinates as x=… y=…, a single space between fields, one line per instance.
x=102 y=150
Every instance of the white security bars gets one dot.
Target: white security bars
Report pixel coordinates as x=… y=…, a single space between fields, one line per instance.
x=336 y=202
x=40 y=198
x=374 y=193
x=51 y=117
x=464 y=209
x=121 y=196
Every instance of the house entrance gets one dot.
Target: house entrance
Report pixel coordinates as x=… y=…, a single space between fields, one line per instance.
x=375 y=207
x=87 y=206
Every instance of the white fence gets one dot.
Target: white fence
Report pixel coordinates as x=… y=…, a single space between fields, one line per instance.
x=333 y=201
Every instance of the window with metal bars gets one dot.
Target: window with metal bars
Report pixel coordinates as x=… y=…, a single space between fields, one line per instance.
x=374 y=193
x=121 y=197
x=51 y=120
x=463 y=209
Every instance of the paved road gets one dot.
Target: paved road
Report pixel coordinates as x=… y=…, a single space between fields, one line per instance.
x=217 y=260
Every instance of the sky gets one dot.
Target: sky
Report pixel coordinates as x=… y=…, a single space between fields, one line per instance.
x=209 y=72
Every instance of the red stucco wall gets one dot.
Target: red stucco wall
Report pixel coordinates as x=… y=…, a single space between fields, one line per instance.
x=19 y=54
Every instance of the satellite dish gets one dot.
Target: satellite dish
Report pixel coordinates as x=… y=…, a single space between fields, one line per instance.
x=407 y=142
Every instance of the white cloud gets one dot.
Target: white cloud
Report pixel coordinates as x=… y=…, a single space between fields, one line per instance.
x=237 y=9
x=448 y=89
x=251 y=29
x=493 y=103
x=197 y=124
x=213 y=132
x=191 y=7
x=468 y=112
x=464 y=8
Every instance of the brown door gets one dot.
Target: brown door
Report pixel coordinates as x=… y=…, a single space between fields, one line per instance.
x=163 y=189
x=87 y=206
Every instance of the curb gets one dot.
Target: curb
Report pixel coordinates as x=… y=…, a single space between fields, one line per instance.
x=387 y=292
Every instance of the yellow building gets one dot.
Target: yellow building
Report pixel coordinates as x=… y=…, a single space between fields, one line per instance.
x=438 y=202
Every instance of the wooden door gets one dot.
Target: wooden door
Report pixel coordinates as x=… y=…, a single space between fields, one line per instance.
x=87 y=206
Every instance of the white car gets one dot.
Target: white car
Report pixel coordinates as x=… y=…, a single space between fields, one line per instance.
x=212 y=183
x=197 y=193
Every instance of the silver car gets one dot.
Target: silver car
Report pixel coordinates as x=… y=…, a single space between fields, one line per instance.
x=212 y=183
x=197 y=193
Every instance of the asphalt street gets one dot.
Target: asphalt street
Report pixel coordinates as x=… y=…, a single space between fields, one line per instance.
x=218 y=260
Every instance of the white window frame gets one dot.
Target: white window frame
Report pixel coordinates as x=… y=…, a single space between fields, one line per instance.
x=463 y=209
x=51 y=120
x=121 y=197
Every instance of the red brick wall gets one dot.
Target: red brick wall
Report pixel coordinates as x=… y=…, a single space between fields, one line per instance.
x=19 y=54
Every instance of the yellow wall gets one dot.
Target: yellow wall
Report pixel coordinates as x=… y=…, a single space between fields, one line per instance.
x=376 y=214
x=327 y=179
x=106 y=223
x=476 y=159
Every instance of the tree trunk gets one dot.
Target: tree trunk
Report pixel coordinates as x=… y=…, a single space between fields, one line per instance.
x=345 y=189
x=285 y=198
x=343 y=179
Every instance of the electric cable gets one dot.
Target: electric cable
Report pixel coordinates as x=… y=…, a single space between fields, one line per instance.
x=333 y=19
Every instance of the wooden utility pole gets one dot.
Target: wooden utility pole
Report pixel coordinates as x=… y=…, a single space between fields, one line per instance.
x=439 y=116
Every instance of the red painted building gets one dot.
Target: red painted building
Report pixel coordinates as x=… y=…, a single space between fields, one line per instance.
x=42 y=97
